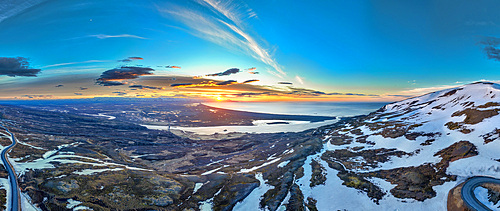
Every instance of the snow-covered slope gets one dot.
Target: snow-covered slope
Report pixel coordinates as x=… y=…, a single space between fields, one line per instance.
x=409 y=154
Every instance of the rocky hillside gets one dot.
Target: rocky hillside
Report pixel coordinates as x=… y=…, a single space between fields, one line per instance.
x=406 y=156
x=409 y=153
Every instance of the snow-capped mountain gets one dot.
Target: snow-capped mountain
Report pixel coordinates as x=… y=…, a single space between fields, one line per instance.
x=409 y=154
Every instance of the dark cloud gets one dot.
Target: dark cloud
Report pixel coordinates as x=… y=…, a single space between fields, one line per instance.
x=249 y=94
x=60 y=85
x=76 y=93
x=83 y=88
x=144 y=87
x=225 y=83
x=285 y=83
x=120 y=93
x=201 y=85
x=318 y=93
x=205 y=84
x=250 y=81
x=110 y=83
x=114 y=77
x=37 y=96
x=173 y=66
x=132 y=58
x=182 y=84
x=405 y=96
x=18 y=66
x=491 y=47
x=227 y=72
x=311 y=92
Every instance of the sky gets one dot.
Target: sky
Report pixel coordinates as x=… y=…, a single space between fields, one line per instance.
x=245 y=50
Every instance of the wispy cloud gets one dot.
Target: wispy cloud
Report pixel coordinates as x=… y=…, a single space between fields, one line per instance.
x=205 y=84
x=230 y=10
x=223 y=24
x=173 y=66
x=312 y=92
x=37 y=96
x=9 y=8
x=424 y=90
x=131 y=58
x=275 y=74
x=106 y=36
x=72 y=63
x=299 y=79
x=145 y=87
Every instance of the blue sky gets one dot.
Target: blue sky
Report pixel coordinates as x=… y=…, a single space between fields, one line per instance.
x=374 y=49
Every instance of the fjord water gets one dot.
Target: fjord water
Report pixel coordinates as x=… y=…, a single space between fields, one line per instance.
x=337 y=109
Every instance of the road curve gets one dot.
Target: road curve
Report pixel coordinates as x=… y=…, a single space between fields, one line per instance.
x=15 y=199
x=468 y=192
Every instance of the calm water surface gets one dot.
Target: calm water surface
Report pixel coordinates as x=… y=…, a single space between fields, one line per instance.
x=341 y=109
x=299 y=108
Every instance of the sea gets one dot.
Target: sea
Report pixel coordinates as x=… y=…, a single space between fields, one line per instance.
x=333 y=109
x=337 y=109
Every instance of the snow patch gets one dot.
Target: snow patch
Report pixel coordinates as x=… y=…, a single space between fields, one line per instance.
x=252 y=201
x=482 y=195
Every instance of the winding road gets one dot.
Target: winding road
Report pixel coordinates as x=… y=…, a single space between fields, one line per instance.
x=468 y=192
x=15 y=199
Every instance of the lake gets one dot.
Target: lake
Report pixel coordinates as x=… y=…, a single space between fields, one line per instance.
x=337 y=109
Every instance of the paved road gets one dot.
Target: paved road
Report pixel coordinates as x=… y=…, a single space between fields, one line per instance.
x=468 y=192
x=15 y=202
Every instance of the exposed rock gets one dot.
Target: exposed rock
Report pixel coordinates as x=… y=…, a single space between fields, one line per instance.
x=491 y=136
x=283 y=178
x=340 y=139
x=455 y=202
x=234 y=190
x=160 y=201
x=311 y=204
x=63 y=186
x=296 y=202
x=417 y=182
x=350 y=159
x=318 y=176
x=299 y=173
x=458 y=126
x=474 y=116
x=359 y=182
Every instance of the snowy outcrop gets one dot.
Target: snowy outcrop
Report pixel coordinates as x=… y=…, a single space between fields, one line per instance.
x=410 y=153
